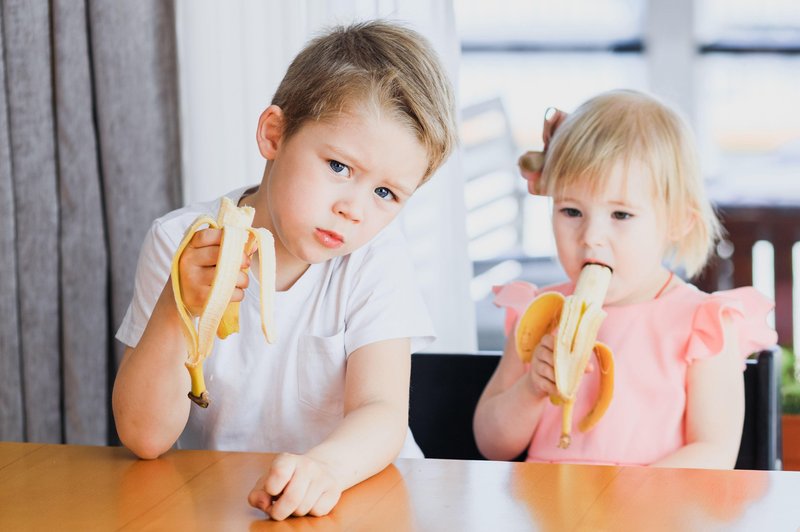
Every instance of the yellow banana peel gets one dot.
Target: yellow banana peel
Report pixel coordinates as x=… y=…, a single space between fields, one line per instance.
x=576 y=320
x=219 y=316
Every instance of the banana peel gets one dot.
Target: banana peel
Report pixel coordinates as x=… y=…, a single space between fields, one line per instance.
x=220 y=316
x=575 y=321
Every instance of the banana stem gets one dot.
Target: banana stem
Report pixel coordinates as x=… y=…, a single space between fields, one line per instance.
x=198 y=393
x=566 y=424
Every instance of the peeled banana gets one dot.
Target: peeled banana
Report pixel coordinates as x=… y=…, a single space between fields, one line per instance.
x=577 y=319
x=220 y=316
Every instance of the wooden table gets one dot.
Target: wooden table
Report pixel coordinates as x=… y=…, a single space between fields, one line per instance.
x=70 y=487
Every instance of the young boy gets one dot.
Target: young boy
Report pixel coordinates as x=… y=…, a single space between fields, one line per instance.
x=363 y=116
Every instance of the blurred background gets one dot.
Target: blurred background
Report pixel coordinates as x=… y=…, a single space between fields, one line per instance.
x=731 y=67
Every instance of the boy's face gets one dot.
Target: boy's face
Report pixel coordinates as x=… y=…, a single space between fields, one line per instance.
x=335 y=184
x=619 y=226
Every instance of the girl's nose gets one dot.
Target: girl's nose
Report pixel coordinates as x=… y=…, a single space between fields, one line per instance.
x=350 y=208
x=594 y=233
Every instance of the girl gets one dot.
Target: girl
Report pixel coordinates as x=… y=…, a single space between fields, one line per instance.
x=627 y=192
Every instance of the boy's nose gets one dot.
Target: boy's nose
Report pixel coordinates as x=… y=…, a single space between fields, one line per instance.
x=350 y=208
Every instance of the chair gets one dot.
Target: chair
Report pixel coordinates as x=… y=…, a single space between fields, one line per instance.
x=761 y=435
x=445 y=389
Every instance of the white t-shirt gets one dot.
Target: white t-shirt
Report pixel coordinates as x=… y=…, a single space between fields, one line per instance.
x=288 y=396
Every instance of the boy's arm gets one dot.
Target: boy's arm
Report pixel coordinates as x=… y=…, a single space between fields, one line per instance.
x=508 y=410
x=149 y=398
x=714 y=410
x=368 y=439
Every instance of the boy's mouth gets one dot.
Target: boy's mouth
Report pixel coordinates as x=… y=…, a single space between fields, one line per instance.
x=329 y=239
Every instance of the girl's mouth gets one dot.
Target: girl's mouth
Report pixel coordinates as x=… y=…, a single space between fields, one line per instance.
x=599 y=263
x=329 y=239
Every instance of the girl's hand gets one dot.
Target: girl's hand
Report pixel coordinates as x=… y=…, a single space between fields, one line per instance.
x=197 y=268
x=541 y=374
x=295 y=485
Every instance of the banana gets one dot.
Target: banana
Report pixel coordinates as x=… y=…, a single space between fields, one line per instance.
x=220 y=316
x=577 y=319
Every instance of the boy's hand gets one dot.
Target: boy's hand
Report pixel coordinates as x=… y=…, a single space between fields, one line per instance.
x=197 y=268
x=295 y=485
x=552 y=119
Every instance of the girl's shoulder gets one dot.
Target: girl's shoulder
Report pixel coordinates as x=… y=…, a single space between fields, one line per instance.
x=745 y=308
x=517 y=295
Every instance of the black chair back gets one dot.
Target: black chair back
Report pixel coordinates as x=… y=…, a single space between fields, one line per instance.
x=445 y=389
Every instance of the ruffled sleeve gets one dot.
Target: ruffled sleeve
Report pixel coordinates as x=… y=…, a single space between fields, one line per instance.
x=515 y=298
x=748 y=310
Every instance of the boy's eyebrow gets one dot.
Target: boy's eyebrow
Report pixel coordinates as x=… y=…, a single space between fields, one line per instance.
x=396 y=187
x=354 y=161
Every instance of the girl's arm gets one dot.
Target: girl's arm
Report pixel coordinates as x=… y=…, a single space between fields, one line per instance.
x=714 y=409
x=368 y=439
x=511 y=405
x=149 y=398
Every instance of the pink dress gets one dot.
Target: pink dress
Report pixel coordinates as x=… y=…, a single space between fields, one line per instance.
x=653 y=343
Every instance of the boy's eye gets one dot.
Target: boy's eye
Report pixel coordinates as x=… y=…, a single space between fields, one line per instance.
x=384 y=193
x=571 y=212
x=621 y=215
x=339 y=168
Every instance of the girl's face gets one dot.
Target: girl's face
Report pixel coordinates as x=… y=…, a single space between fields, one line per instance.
x=335 y=184
x=620 y=226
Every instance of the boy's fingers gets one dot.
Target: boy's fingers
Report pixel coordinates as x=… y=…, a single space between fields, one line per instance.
x=325 y=503
x=206 y=237
x=292 y=497
x=310 y=499
x=258 y=498
x=280 y=473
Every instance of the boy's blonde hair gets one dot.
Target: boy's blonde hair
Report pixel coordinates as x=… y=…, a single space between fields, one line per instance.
x=623 y=126
x=372 y=63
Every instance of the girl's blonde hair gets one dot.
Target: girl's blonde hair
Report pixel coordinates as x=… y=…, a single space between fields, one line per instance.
x=625 y=126
x=379 y=64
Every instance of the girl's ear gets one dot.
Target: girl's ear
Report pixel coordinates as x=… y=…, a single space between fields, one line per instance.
x=678 y=231
x=270 y=131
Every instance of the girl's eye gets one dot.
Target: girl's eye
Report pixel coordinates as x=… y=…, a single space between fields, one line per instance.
x=339 y=168
x=620 y=215
x=384 y=193
x=571 y=212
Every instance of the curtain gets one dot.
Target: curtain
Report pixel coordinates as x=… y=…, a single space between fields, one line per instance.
x=89 y=156
x=230 y=67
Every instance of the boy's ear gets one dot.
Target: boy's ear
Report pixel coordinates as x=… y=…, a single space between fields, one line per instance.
x=270 y=131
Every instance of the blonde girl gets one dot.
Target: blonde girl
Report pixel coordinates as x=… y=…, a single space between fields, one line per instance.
x=627 y=192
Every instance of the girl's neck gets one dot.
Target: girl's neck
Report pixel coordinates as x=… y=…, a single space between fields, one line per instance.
x=666 y=285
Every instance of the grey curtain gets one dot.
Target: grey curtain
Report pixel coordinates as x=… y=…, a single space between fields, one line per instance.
x=89 y=156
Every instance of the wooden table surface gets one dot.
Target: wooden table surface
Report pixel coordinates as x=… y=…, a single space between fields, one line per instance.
x=71 y=487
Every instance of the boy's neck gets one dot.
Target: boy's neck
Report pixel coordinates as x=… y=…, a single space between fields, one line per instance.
x=287 y=269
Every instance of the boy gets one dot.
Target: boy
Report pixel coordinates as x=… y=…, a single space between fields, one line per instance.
x=363 y=116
